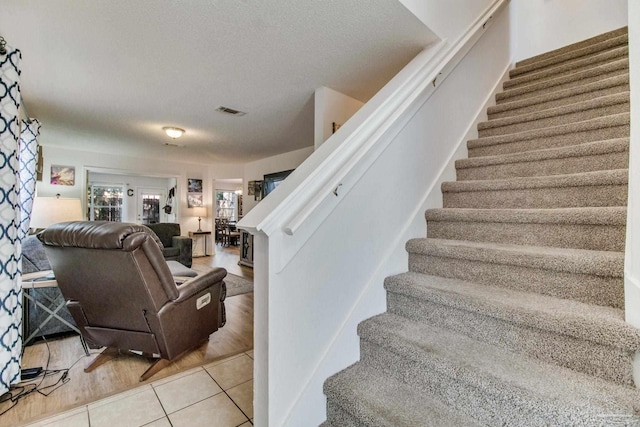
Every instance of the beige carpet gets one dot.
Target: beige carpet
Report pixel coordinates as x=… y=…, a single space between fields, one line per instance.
x=511 y=311
x=236 y=285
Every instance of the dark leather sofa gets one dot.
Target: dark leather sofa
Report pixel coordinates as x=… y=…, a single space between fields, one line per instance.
x=122 y=295
x=175 y=247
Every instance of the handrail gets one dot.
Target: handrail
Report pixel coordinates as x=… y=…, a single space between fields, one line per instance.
x=346 y=155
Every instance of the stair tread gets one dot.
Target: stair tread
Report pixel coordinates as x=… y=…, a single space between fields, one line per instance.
x=375 y=399
x=560 y=94
x=584 y=44
x=549 y=83
x=568 y=65
x=620 y=119
x=582 y=179
x=608 y=215
x=600 y=102
x=598 y=324
x=496 y=371
x=585 y=149
x=577 y=261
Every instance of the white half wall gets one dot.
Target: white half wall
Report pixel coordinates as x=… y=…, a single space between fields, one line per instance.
x=255 y=171
x=336 y=279
x=331 y=107
x=539 y=26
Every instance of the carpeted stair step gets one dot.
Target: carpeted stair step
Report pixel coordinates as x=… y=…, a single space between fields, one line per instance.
x=579 y=78
x=593 y=277
x=568 y=67
x=599 y=188
x=587 y=157
x=600 y=229
x=361 y=396
x=575 y=50
x=581 y=111
x=609 y=86
x=494 y=386
x=586 y=338
x=598 y=129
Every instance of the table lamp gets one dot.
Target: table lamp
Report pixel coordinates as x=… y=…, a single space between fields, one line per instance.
x=51 y=210
x=200 y=212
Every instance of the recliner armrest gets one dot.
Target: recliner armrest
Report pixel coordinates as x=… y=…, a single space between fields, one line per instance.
x=185 y=244
x=199 y=283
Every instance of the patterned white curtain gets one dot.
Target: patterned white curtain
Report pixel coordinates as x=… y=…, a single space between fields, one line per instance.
x=10 y=248
x=28 y=161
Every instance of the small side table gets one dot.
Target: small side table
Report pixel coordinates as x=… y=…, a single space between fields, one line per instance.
x=45 y=279
x=204 y=235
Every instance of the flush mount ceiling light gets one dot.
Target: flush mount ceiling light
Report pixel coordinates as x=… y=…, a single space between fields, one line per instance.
x=173 y=132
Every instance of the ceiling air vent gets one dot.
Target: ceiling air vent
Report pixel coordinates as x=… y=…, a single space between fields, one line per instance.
x=230 y=111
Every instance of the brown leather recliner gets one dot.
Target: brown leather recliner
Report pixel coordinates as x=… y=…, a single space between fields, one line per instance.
x=122 y=296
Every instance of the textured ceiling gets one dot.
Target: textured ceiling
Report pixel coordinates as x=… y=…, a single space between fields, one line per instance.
x=105 y=76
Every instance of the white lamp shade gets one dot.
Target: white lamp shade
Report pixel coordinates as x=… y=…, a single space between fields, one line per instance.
x=200 y=212
x=52 y=210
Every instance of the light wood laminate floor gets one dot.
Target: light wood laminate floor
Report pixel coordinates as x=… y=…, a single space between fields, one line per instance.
x=122 y=374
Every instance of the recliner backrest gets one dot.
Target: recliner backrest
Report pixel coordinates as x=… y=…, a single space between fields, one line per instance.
x=115 y=271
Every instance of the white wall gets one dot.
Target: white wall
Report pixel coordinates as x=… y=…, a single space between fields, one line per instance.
x=331 y=107
x=336 y=279
x=539 y=26
x=255 y=171
x=632 y=261
x=51 y=138
x=447 y=18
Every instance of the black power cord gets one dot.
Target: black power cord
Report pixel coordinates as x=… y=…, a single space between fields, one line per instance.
x=34 y=385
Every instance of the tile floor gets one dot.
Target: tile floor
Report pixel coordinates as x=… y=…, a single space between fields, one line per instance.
x=219 y=394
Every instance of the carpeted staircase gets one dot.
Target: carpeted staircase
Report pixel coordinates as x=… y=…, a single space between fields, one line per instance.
x=511 y=312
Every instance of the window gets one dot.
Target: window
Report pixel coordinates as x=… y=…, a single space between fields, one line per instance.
x=105 y=203
x=226 y=204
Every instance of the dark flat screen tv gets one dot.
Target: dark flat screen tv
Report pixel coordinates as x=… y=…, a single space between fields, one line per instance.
x=272 y=180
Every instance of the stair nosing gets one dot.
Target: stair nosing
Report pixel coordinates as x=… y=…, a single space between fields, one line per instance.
x=582 y=106
x=613 y=120
x=574 y=64
x=586 y=149
x=619 y=32
x=519 y=377
x=613 y=66
x=579 y=179
x=556 y=315
x=569 y=260
x=608 y=83
x=364 y=370
x=606 y=216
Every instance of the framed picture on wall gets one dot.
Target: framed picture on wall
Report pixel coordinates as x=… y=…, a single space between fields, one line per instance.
x=194 y=200
x=63 y=175
x=194 y=185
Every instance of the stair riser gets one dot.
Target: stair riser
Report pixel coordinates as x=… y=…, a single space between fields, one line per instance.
x=537 y=89
x=576 y=236
x=575 y=48
x=552 y=141
x=605 y=362
x=488 y=405
x=591 y=289
x=572 y=57
x=336 y=416
x=555 y=121
x=539 y=198
x=561 y=166
x=559 y=102
x=568 y=67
